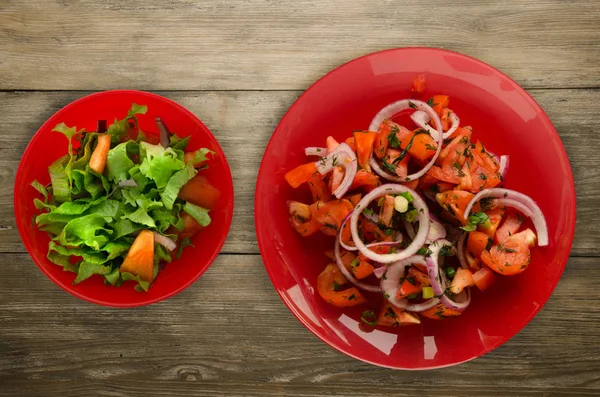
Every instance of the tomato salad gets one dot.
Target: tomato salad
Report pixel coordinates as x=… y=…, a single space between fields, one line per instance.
x=123 y=202
x=418 y=214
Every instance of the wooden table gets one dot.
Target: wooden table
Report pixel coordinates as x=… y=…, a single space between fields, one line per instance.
x=238 y=65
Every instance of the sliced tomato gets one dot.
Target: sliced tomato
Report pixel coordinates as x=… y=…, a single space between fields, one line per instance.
x=190 y=226
x=411 y=184
x=445 y=118
x=359 y=268
x=420 y=144
x=454 y=149
x=422 y=278
x=484 y=278
x=482 y=178
x=484 y=158
x=200 y=192
x=510 y=226
x=318 y=188
x=331 y=213
x=355 y=199
x=381 y=141
x=372 y=232
x=418 y=83
x=301 y=218
x=477 y=242
x=366 y=180
x=100 y=154
x=387 y=210
x=495 y=216
x=364 y=147
x=439 y=103
x=410 y=286
x=448 y=174
x=462 y=279
x=139 y=260
x=391 y=316
x=400 y=167
x=301 y=174
x=512 y=256
x=455 y=202
x=439 y=312
x=328 y=286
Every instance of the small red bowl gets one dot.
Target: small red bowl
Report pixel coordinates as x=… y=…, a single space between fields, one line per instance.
x=503 y=116
x=46 y=146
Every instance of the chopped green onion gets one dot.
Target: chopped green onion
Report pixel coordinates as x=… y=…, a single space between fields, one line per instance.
x=450 y=272
x=427 y=292
x=368 y=317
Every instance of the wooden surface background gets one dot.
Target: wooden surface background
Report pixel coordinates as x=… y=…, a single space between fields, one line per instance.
x=238 y=65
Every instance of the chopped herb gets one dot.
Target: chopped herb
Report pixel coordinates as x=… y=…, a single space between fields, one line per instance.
x=390 y=167
x=352 y=297
x=523 y=267
x=354 y=263
x=412 y=296
x=450 y=272
x=411 y=215
x=430 y=147
x=368 y=211
x=368 y=317
x=509 y=250
x=323 y=161
x=380 y=201
x=482 y=176
x=336 y=286
x=430 y=102
x=390 y=312
x=464 y=139
x=486 y=203
x=411 y=280
x=389 y=232
x=407 y=196
x=329 y=225
x=447 y=250
x=475 y=219
x=393 y=138
x=386 y=295
x=460 y=172
x=426 y=252
x=412 y=105
x=335 y=161
x=505 y=195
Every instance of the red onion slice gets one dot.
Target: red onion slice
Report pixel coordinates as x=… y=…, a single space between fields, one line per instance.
x=504 y=162
x=436 y=230
x=391 y=110
x=342 y=156
x=399 y=238
x=380 y=271
x=421 y=119
x=537 y=217
x=390 y=284
x=522 y=208
x=418 y=241
x=348 y=275
x=439 y=282
x=164 y=241
x=316 y=151
x=410 y=230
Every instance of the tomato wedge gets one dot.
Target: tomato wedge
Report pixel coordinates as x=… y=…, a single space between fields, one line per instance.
x=510 y=226
x=364 y=147
x=318 y=188
x=331 y=213
x=328 y=286
x=439 y=312
x=366 y=180
x=199 y=191
x=139 y=260
x=477 y=243
x=455 y=202
x=484 y=278
x=418 y=83
x=391 y=316
x=512 y=256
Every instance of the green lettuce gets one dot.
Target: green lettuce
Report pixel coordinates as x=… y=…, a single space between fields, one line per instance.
x=180 y=178
x=198 y=213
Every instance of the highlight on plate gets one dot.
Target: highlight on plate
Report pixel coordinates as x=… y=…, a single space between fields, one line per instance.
x=417 y=215
x=121 y=203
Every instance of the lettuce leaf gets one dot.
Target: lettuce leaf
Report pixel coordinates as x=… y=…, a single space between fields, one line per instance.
x=84 y=159
x=61 y=189
x=63 y=261
x=159 y=164
x=118 y=163
x=41 y=189
x=178 y=143
x=200 y=155
x=140 y=216
x=69 y=132
x=119 y=127
x=186 y=242
x=198 y=213
x=142 y=285
x=180 y=178
x=85 y=230
x=87 y=270
x=124 y=227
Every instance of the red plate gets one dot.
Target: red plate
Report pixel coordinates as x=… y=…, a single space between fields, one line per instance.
x=507 y=120
x=47 y=146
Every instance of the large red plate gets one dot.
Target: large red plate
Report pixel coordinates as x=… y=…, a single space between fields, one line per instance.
x=47 y=146
x=508 y=121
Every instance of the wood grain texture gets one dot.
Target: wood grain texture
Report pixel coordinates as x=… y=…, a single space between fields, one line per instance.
x=216 y=338
x=276 y=44
x=243 y=123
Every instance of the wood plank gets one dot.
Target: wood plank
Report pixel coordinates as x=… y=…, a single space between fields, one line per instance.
x=216 y=338
x=266 y=44
x=243 y=123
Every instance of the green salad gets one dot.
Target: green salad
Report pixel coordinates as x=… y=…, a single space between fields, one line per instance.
x=122 y=203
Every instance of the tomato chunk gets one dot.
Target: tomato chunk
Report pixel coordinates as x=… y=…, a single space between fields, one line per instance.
x=484 y=278
x=329 y=283
x=510 y=226
x=512 y=256
x=300 y=174
x=391 y=316
x=200 y=192
x=139 y=261
x=418 y=83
